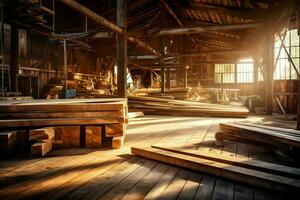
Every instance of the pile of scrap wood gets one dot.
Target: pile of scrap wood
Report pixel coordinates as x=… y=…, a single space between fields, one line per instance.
x=160 y=106
x=273 y=136
x=259 y=174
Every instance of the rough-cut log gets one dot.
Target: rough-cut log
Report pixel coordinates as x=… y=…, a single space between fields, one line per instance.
x=200 y=29
x=106 y=23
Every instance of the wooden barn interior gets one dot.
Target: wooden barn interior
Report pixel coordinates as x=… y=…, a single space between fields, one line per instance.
x=150 y=99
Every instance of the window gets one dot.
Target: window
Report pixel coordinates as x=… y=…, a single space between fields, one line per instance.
x=224 y=73
x=284 y=68
x=245 y=71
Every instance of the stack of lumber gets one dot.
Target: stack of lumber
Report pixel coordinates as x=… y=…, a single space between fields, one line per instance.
x=160 y=106
x=177 y=93
x=278 y=137
x=259 y=174
x=81 y=113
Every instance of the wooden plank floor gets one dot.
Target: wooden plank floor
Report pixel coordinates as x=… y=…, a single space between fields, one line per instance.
x=116 y=174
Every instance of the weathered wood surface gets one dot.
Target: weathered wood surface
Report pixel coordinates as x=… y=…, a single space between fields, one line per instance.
x=239 y=174
x=89 y=174
x=261 y=134
x=238 y=161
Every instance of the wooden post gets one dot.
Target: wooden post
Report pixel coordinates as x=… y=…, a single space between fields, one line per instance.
x=163 y=75
x=298 y=106
x=168 y=82
x=121 y=50
x=2 y=48
x=185 y=76
x=269 y=63
x=255 y=73
x=66 y=64
x=14 y=57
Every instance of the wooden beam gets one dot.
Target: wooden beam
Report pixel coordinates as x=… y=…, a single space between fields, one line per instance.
x=170 y=11
x=201 y=29
x=234 y=12
x=200 y=53
x=235 y=173
x=106 y=23
x=121 y=49
x=268 y=70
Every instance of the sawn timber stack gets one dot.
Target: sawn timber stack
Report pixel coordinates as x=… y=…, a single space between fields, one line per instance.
x=160 y=106
x=110 y=114
x=278 y=137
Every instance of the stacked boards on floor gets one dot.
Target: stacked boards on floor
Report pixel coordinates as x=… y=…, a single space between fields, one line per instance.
x=108 y=113
x=247 y=132
x=160 y=106
x=265 y=175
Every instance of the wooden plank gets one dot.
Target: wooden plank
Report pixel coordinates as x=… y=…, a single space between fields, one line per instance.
x=174 y=188
x=19 y=123
x=206 y=187
x=235 y=173
x=89 y=114
x=238 y=161
x=273 y=128
x=101 y=184
x=135 y=114
x=191 y=186
x=259 y=134
x=119 y=190
x=162 y=184
x=77 y=183
x=62 y=107
x=141 y=189
x=243 y=192
x=223 y=190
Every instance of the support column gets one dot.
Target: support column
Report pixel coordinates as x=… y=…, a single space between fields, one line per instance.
x=269 y=64
x=2 y=48
x=122 y=50
x=66 y=65
x=168 y=83
x=255 y=73
x=14 y=57
x=298 y=106
x=162 y=75
x=185 y=76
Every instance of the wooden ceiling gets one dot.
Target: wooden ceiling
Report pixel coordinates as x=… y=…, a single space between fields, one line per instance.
x=147 y=18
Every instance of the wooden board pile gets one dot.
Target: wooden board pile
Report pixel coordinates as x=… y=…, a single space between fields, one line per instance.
x=176 y=93
x=259 y=174
x=109 y=115
x=246 y=132
x=160 y=106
